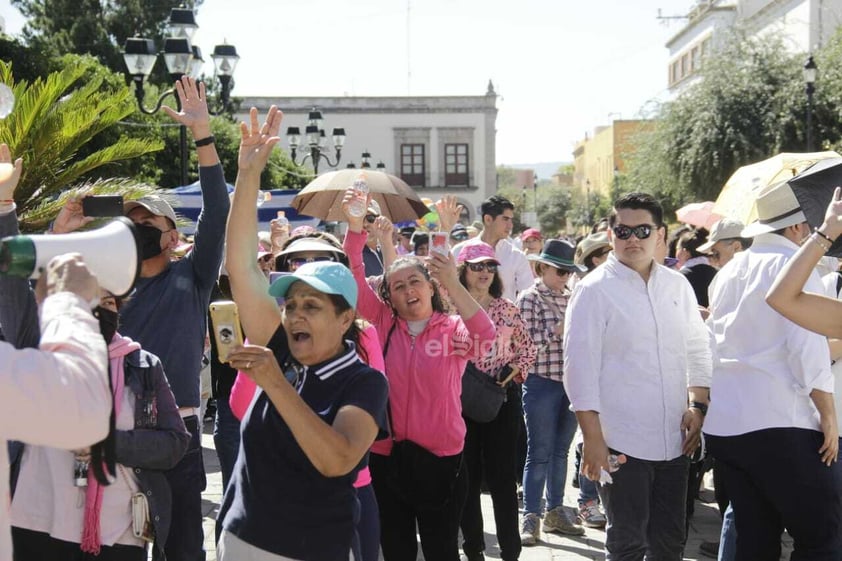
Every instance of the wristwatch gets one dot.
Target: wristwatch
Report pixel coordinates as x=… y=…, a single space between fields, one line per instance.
x=703 y=407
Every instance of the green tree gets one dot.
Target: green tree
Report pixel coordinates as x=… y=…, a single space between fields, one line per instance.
x=95 y=27
x=748 y=105
x=54 y=120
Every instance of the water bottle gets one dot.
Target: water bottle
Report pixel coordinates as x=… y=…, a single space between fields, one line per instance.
x=357 y=208
x=282 y=219
x=7 y=101
x=614 y=463
x=262 y=197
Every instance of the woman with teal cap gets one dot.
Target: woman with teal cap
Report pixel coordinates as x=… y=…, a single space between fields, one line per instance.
x=319 y=408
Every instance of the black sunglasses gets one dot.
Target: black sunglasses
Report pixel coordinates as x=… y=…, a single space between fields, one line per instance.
x=370 y=218
x=561 y=272
x=295 y=262
x=641 y=232
x=480 y=267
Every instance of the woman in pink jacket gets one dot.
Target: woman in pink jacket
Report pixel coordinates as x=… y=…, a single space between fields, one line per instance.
x=417 y=474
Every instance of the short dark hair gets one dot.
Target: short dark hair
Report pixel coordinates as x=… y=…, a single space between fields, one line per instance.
x=494 y=206
x=638 y=201
x=692 y=240
x=496 y=287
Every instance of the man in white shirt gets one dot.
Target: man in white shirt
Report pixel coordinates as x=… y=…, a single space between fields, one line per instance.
x=637 y=369
x=772 y=398
x=514 y=270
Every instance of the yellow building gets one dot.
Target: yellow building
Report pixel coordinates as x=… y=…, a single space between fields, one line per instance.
x=597 y=159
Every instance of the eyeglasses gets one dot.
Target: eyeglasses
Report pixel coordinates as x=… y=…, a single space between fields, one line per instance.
x=295 y=262
x=266 y=258
x=480 y=267
x=601 y=253
x=641 y=231
x=561 y=272
x=370 y=218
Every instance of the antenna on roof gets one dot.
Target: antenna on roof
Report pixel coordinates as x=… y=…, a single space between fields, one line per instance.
x=666 y=20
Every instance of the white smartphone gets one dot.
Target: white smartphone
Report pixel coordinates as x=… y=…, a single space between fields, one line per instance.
x=440 y=242
x=226 y=327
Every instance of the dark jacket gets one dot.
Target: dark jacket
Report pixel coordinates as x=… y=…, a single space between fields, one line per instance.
x=158 y=441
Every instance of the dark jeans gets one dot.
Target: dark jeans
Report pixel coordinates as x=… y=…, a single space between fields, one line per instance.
x=645 y=510
x=492 y=446
x=187 y=481
x=438 y=528
x=32 y=546
x=368 y=528
x=772 y=476
x=226 y=439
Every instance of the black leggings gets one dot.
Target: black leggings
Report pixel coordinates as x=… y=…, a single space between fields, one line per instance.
x=35 y=546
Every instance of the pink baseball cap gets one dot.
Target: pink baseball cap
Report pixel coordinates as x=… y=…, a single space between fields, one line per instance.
x=531 y=233
x=475 y=250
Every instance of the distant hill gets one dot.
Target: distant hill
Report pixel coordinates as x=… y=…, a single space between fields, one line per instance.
x=545 y=170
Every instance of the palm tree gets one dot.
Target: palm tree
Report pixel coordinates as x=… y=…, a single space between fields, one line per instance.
x=51 y=127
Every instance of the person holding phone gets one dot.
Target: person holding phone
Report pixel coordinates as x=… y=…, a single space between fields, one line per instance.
x=425 y=352
x=307 y=431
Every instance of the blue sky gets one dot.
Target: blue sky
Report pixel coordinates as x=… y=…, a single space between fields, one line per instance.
x=560 y=67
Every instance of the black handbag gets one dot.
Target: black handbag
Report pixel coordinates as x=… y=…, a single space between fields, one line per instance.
x=482 y=396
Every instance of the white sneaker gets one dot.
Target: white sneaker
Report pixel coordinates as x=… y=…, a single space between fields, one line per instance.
x=530 y=529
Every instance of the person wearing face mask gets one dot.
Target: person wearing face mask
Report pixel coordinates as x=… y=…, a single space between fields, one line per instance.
x=54 y=517
x=167 y=314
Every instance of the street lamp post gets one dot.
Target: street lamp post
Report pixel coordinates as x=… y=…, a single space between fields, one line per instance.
x=535 y=191
x=181 y=58
x=316 y=141
x=588 y=203
x=810 y=88
x=365 y=163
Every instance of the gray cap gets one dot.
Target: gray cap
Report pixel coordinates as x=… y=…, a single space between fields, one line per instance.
x=724 y=229
x=154 y=204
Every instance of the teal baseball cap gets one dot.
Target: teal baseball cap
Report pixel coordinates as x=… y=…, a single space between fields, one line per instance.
x=324 y=276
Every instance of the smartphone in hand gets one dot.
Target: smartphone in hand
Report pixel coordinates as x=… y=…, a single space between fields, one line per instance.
x=439 y=241
x=103 y=205
x=227 y=332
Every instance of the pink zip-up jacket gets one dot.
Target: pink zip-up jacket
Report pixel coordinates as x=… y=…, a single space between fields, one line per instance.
x=424 y=372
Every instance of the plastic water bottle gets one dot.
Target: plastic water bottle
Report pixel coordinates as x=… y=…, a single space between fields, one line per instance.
x=7 y=101
x=614 y=463
x=263 y=196
x=357 y=208
x=282 y=221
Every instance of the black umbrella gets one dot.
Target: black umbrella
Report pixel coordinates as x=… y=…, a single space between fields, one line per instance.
x=814 y=190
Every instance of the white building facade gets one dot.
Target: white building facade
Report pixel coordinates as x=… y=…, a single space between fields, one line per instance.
x=804 y=25
x=438 y=145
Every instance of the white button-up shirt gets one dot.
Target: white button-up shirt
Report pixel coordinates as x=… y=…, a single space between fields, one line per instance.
x=631 y=350
x=765 y=366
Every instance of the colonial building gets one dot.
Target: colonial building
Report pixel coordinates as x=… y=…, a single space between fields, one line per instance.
x=803 y=24
x=438 y=145
x=598 y=159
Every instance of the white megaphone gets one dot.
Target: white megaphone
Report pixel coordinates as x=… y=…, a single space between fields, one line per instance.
x=112 y=253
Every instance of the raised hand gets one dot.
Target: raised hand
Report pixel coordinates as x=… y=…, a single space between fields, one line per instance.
x=443 y=268
x=194 y=107
x=355 y=223
x=384 y=230
x=70 y=218
x=9 y=175
x=449 y=211
x=832 y=226
x=257 y=141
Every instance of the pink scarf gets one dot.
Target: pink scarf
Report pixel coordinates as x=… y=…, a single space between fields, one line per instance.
x=117 y=350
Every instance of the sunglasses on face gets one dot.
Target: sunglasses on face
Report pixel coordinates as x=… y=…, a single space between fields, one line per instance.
x=370 y=218
x=602 y=252
x=641 y=232
x=295 y=262
x=561 y=272
x=480 y=267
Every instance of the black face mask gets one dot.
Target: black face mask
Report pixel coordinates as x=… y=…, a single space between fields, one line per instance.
x=108 y=322
x=150 y=241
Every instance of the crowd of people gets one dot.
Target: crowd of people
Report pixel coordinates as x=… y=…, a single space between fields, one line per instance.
x=383 y=384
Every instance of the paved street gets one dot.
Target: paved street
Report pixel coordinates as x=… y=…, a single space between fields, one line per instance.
x=705 y=524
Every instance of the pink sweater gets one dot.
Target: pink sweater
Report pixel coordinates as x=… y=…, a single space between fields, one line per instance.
x=424 y=372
